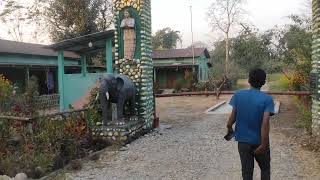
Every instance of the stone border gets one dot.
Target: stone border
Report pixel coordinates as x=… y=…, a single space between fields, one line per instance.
x=215 y=107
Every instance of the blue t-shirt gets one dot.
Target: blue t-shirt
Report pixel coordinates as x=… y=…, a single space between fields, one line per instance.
x=250 y=104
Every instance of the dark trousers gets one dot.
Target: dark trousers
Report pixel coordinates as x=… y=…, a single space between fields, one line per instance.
x=247 y=157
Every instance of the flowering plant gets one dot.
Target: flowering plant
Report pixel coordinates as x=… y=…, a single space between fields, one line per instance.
x=6 y=88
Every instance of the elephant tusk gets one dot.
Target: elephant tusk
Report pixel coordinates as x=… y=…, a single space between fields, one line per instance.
x=97 y=97
x=107 y=95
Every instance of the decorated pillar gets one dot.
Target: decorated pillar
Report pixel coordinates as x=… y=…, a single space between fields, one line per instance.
x=133 y=52
x=315 y=67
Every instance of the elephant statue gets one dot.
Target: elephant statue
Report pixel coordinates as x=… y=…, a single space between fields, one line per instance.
x=118 y=89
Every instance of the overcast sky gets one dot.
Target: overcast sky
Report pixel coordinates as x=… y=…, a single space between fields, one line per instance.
x=264 y=14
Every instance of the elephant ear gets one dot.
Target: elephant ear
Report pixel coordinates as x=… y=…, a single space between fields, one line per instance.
x=120 y=84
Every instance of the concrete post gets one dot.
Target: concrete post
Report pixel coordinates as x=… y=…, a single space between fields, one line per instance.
x=109 y=56
x=84 y=68
x=61 y=79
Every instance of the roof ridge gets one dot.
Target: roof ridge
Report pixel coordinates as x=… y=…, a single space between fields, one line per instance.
x=21 y=42
x=178 y=49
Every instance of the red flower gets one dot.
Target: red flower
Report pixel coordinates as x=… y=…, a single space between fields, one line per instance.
x=17 y=109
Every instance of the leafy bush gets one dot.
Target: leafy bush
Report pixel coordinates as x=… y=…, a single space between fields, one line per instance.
x=204 y=86
x=278 y=82
x=6 y=89
x=304 y=105
x=42 y=145
x=299 y=81
x=94 y=107
x=178 y=87
x=20 y=105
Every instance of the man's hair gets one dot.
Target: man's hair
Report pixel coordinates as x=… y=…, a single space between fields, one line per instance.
x=257 y=78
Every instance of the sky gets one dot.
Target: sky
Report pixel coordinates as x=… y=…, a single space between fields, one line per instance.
x=264 y=14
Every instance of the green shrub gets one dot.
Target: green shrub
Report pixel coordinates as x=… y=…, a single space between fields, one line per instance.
x=178 y=87
x=6 y=88
x=278 y=82
x=305 y=109
x=44 y=145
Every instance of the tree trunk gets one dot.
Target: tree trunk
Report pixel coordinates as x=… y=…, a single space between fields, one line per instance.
x=227 y=55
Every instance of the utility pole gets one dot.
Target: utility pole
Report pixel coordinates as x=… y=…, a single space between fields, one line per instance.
x=192 y=45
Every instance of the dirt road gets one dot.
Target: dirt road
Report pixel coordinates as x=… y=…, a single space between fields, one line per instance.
x=193 y=148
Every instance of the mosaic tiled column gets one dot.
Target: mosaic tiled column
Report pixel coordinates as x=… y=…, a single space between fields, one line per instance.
x=140 y=67
x=315 y=66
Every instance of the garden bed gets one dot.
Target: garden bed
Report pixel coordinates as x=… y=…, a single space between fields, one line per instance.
x=38 y=146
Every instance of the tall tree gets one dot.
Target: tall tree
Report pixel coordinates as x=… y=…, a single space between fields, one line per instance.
x=218 y=62
x=296 y=46
x=68 y=19
x=223 y=16
x=58 y=19
x=166 y=39
x=13 y=19
x=251 y=50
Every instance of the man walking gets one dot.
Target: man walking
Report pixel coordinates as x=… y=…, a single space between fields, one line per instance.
x=251 y=114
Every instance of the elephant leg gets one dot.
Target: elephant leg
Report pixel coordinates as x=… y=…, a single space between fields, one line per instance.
x=133 y=105
x=109 y=111
x=104 y=107
x=120 y=107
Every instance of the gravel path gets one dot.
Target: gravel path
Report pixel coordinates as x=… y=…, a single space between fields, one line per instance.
x=193 y=148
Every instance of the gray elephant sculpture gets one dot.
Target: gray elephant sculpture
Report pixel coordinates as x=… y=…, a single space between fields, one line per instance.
x=118 y=89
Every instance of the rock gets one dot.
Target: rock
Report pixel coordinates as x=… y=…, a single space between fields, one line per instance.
x=94 y=157
x=99 y=124
x=4 y=177
x=76 y=165
x=124 y=149
x=38 y=172
x=165 y=126
x=21 y=176
x=16 y=140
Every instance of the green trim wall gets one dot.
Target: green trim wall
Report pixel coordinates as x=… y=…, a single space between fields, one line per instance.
x=29 y=60
x=77 y=85
x=72 y=87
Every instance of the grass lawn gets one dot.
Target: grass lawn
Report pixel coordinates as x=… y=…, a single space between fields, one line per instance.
x=242 y=84
x=278 y=82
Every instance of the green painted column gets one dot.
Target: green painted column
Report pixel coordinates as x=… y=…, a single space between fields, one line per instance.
x=61 y=79
x=109 y=55
x=84 y=67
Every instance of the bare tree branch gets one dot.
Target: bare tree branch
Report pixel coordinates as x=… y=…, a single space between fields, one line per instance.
x=223 y=16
